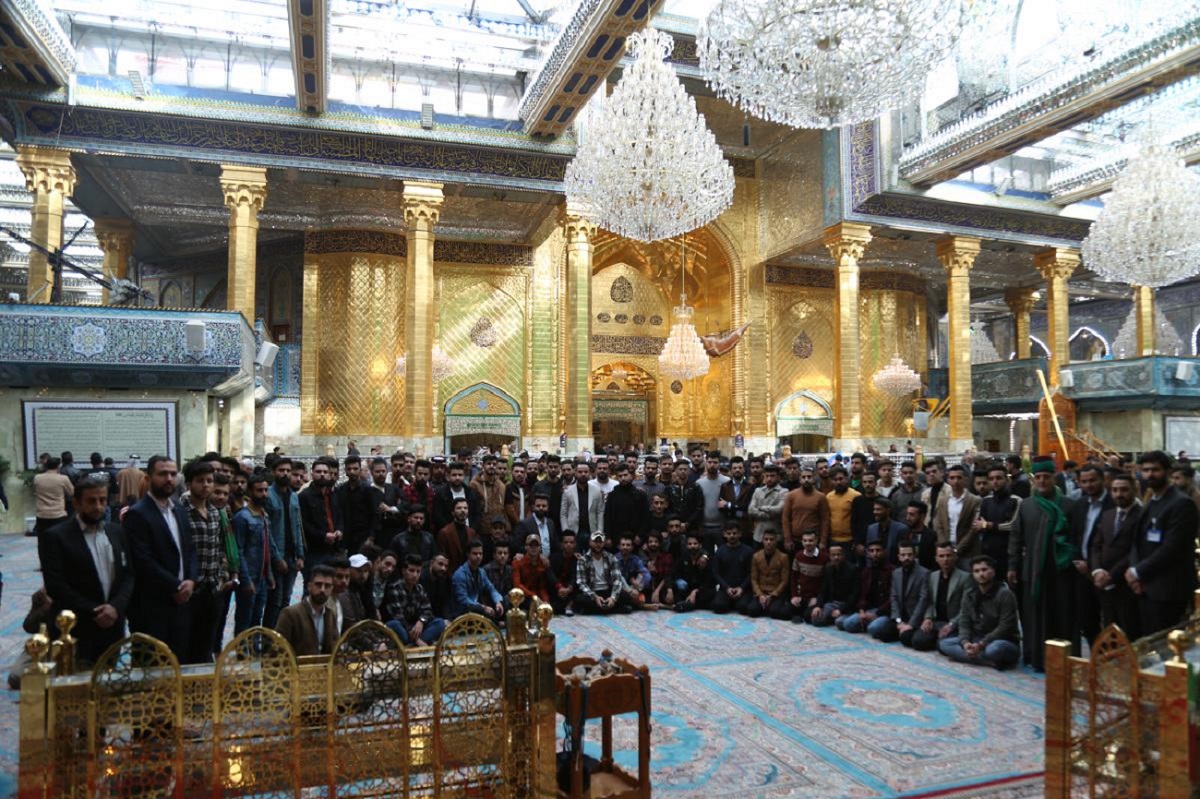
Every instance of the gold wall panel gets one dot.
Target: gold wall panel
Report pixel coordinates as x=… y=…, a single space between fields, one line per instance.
x=643 y=311
x=804 y=315
x=466 y=295
x=542 y=402
x=482 y=402
x=790 y=194
x=357 y=332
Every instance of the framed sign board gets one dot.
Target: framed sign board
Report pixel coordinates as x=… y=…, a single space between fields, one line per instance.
x=114 y=429
x=1182 y=433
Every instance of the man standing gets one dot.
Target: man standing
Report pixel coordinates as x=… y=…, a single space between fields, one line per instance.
x=538 y=523
x=1093 y=501
x=131 y=482
x=455 y=538
x=1108 y=557
x=887 y=481
x=684 y=499
x=954 y=516
x=251 y=528
x=1040 y=557
x=735 y=496
x=731 y=568
x=908 y=490
x=649 y=484
x=518 y=495
x=164 y=562
x=841 y=499
x=947 y=586
x=577 y=502
x=287 y=539
x=884 y=529
x=552 y=487
x=490 y=486
x=804 y=508
x=310 y=626
x=767 y=503
x=910 y=600
x=1018 y=481
x=770 y=573
x=321 y=517
x=626 y=510
x=86 y=569
x=934 y=483
x=420 y=492
x=987 y=623
x=449 y=494
x=997 y=513
x=360 y=506
x=1161 y=562
x=52 y=491
x=416 y=540
x=204 y=524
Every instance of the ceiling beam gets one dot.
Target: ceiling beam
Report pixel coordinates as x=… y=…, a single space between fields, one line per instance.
x=1038 y=111
x=308 y=21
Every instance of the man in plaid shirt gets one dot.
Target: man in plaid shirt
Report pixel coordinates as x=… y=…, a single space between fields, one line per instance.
x=407 y=607
x=204 y=523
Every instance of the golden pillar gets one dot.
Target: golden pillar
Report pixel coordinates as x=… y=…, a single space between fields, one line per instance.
x=50 y=177
x=422 y=209
x=846 y=243
x=580 y=232
x=1143 y=306
x=1056 y=265
x=957 y=254
x=1020 y=302
x=116 y=240
x=245 y=189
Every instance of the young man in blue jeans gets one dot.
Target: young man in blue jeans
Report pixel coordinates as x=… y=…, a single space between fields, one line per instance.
x=407 y=608
x=987 y=623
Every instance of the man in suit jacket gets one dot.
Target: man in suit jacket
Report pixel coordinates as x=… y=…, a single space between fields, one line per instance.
x=573 y=515
x=947 y=586
x=1162 y=568
x=321 y=518
x=1108 y=557
x=1093 y=501
x=538 y=523
x=910 y=599
x=455 y=488
x=85 y=565
x=954 y=516
x=452 y=539
x=164 y=561
x=310 y=626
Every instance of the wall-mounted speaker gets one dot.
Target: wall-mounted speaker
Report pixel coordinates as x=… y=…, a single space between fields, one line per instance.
x=195 y=337
x=266 y=355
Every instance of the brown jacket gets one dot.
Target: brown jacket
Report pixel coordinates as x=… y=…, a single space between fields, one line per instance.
x=967 y=540
x=296 y=625
x=493 y=497
x=449 y=544
x=805 y=512
x=770 y=577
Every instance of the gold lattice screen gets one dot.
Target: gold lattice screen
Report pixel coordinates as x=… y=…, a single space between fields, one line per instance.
x=354 y=326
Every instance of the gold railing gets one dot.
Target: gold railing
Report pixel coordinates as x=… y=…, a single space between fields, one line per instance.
x=473 y=716
x=1091 y=442
x=1117 y=722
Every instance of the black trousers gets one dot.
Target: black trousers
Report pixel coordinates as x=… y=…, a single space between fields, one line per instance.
x=779 y=608
x=586 y=604
x=206 y=611
x=1158 y=616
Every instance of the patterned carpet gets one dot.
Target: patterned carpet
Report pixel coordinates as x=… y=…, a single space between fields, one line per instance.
x=757 y=708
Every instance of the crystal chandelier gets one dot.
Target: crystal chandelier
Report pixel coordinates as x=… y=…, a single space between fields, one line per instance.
x=443 y=365
x=1149 y=231
x=896 y=378
x=825 y=63
x=648 y=165
x=683 y=356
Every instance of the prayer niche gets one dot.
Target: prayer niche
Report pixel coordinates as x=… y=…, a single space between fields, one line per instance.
x=676 y=387
x=621 y=290
x=802 y=347
x=483 y=333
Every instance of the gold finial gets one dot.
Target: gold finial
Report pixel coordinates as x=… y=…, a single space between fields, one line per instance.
x=1180 y=642
x=64 y=647
x=544 y=614
x=515 y=597
x=36 y=647
x=65 y=622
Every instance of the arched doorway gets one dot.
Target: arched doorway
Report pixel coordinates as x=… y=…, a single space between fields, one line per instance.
x=481 y=415
x=804 y=421
x=623 y=405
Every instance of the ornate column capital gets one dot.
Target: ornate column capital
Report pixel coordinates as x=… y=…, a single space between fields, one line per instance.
x=244 y=186
x=47 y=169
x=958 y=253
x=1020 y=300
x=422 y=202
x=576 y=218
x=847 y=241
x=1056 y=262
x=112 y=234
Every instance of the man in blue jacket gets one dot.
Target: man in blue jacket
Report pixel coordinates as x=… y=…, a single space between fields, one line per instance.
x=287 y=540
x=472 y=591
x=251 y=531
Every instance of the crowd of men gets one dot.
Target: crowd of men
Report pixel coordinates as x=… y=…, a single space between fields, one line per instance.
x=983 y=563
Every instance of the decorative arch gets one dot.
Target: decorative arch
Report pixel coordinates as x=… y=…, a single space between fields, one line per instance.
x=171 y=295
x=482 y=408
x=1034 y=340
x=1196 y=340
x=279 y=297
x=1085 y=331
x=792 y=416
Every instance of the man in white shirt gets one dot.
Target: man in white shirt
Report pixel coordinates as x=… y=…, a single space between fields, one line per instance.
x=954 y=518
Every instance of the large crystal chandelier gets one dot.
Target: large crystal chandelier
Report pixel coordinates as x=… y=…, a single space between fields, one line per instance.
x=683 y=356
x=1149 y=231
x=443 y=365
x=825 y=63
x=648 y=166
x=896 y=378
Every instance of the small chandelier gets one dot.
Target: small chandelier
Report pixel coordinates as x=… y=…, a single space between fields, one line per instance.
x=443 y=366
x=683 y=356
x=825 y=63
x=896 y=378
x=648 y=166
x=1149 y=231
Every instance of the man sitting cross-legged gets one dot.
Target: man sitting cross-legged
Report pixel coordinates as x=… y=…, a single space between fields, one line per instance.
x=637 y=576
x=731 y=568
x=987 y=624
x=947 y=587
x=406 y=607
x=693 y=576
x=840 y=587
x=875 y=592
x=660 y=564
x=564 y=571
x=770 y=571
x=473 y=591
x=602 y=589
x=808 y=572
x=910 y=596
x=532 y=572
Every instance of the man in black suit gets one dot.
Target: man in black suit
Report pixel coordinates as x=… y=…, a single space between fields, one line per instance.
x=360 y=506
x=1093 y=502
x=1162 y=568
x=164 y=561
x=85 y=565
x=538 y=523
x=321 y=518
x=1108 y=557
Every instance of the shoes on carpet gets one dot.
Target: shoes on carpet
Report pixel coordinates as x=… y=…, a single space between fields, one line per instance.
x=684 y=607
x=569 y=612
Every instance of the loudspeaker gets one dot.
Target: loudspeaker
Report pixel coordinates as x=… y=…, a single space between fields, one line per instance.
x=1184 y=371
x=266 y=355
x=1066 y=378
x=195 y=337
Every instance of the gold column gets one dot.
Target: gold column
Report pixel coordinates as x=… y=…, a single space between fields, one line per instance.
x=542 y=337
x=957 y=254
x=1056 y=265
x=1143 y=305
x=1020 y=302
x=846 y=243
x=116 y=240
x=245 y=189
x=580 y=231
x=50 y=177
x=422 y=209
x=310 y=349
